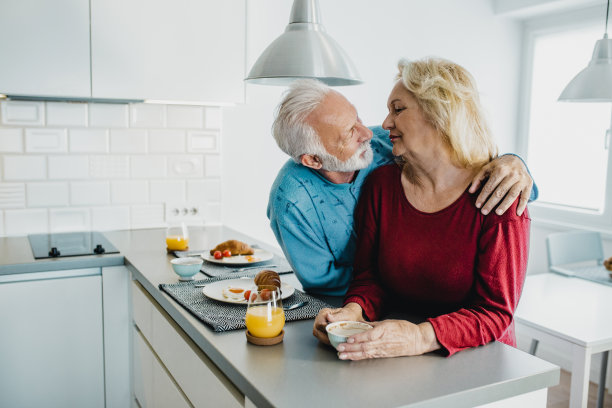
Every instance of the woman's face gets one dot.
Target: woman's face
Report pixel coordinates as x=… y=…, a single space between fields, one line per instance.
x=408 y=130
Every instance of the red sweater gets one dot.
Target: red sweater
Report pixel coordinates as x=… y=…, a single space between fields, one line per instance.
x=462 y=270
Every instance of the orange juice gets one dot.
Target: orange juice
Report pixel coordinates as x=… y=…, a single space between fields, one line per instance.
x=262 y=321
x=177 y=242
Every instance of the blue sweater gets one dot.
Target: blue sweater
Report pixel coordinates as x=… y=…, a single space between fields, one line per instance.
x=312 y=219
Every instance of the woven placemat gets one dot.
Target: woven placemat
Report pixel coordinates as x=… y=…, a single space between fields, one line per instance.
x=223 y=316
x=277 y=264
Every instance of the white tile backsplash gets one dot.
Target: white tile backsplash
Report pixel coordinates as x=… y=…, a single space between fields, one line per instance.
x=88 y=140
x=79 y=166
x=89 y=193
x=23 y=222
x=184 y=117
x=166 y=141
x=185 y=166
x=46 y=140
x=25 y=167
x=110 y=218
x=69 y=219
x=129 y=192
x=12 y=195
x=11 y=140
x=68 y=167
x=50 y=194
x=66 y=114
x=108 y=115
x=23 y=113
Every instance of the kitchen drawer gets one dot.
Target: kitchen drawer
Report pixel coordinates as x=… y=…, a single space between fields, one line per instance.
x=199 y=378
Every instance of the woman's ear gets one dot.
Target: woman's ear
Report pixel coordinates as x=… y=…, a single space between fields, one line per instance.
x=311 y=160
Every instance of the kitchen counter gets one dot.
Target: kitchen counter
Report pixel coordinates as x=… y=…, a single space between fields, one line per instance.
x=299 y=369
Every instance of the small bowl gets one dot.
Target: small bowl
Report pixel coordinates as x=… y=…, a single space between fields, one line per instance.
x=186 y=268
x=338 y=332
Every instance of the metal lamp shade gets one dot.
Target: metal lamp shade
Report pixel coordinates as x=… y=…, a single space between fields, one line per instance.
x=304 y=50
x=594 y=83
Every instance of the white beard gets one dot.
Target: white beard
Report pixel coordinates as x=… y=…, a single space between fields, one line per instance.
x=353 y=163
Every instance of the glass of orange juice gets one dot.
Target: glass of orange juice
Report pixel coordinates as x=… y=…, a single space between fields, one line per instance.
x=177 y=237
x=265 y=317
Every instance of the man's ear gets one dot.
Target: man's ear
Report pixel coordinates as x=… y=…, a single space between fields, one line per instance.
x=311 y=160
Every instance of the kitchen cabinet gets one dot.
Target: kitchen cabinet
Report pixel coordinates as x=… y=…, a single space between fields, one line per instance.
x=185 y=50
x=51 y=347
x=165 y=356
x=45 y=48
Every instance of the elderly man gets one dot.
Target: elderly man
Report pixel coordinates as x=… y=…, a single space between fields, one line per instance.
x=313 y=197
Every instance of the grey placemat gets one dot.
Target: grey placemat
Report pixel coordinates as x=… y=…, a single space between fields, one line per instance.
x=597 y=273
x=214 y=270
x=226 y=316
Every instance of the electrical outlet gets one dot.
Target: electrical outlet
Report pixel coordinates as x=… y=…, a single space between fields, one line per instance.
x=188 y=212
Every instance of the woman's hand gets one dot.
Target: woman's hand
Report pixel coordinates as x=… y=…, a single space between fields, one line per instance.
x=508 y=177
x=351 y=311
x=390 y=338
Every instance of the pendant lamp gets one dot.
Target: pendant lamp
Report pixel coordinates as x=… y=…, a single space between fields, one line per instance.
x=594 y=83
x=304 y=50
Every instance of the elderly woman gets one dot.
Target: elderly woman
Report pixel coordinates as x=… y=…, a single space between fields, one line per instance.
x=422 y=245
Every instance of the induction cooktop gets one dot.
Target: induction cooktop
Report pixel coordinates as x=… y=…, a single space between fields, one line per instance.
x=70 y=244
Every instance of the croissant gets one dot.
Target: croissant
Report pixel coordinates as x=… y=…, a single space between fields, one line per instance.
x=236 y=247
x=267 y=278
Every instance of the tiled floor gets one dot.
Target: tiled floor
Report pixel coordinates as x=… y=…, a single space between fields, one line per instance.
x=558 y=396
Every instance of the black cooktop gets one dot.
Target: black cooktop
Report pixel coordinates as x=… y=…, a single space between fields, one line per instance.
x=70 y=244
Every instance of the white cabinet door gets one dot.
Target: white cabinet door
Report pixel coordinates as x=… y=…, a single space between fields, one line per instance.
x=181 y=50
x=44 y=46
x=51 y=351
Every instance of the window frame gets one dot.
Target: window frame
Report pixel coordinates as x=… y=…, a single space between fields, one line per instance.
x=546 y=213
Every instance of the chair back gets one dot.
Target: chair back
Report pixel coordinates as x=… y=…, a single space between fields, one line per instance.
x=574 y=246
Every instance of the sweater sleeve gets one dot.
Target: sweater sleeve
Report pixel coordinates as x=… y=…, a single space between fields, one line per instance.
x=366 y=289
x=500 y=274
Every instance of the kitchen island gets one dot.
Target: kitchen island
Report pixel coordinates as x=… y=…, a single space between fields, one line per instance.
x=301 y=371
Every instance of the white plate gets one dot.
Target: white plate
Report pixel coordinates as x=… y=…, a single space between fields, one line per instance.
x=215 y=289
x=259 y=256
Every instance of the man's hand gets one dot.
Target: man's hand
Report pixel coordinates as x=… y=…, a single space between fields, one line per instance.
x=507 y=178
x=351 y=311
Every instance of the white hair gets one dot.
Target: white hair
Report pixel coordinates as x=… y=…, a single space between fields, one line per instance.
x=292 y=133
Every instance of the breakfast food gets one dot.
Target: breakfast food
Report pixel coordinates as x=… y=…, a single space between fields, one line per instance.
x=267 y=278
x=234 y=247
x=608 y=264
x=233 y=293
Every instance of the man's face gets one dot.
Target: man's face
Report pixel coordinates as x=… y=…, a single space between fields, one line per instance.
x=342 y=134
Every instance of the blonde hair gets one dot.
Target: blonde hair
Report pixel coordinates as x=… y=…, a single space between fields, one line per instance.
x=447 y=95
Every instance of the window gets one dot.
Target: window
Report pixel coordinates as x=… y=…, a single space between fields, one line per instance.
x=566 y=143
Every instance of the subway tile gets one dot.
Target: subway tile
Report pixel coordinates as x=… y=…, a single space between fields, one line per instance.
x=184 y=117
x=161 y=191
x=128 y=141
x=148 y=166
x=147 y=216
x=110 y=218
x=25 y=167
x=147 y=115
x=108 y=115
x=11 y=140
x=185 y=166
x=23 y=222
x=68 y=167
x=22 y=113
x=212 y=214
x=212 y=166
x=69 y=219
x=166 y=141
x=12 y=195
x=46 y=140
x=109 y=166
x=199 y=141
x=88 y=140
x=129 y=192
x=89 y=193
x=204 y=191
x=66 y=114
x=213 y=118
x=49 y=194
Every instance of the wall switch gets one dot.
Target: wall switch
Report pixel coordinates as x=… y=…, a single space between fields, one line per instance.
x=188 y=212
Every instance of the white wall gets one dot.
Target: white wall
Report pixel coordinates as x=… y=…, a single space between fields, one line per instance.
x=376 y=35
